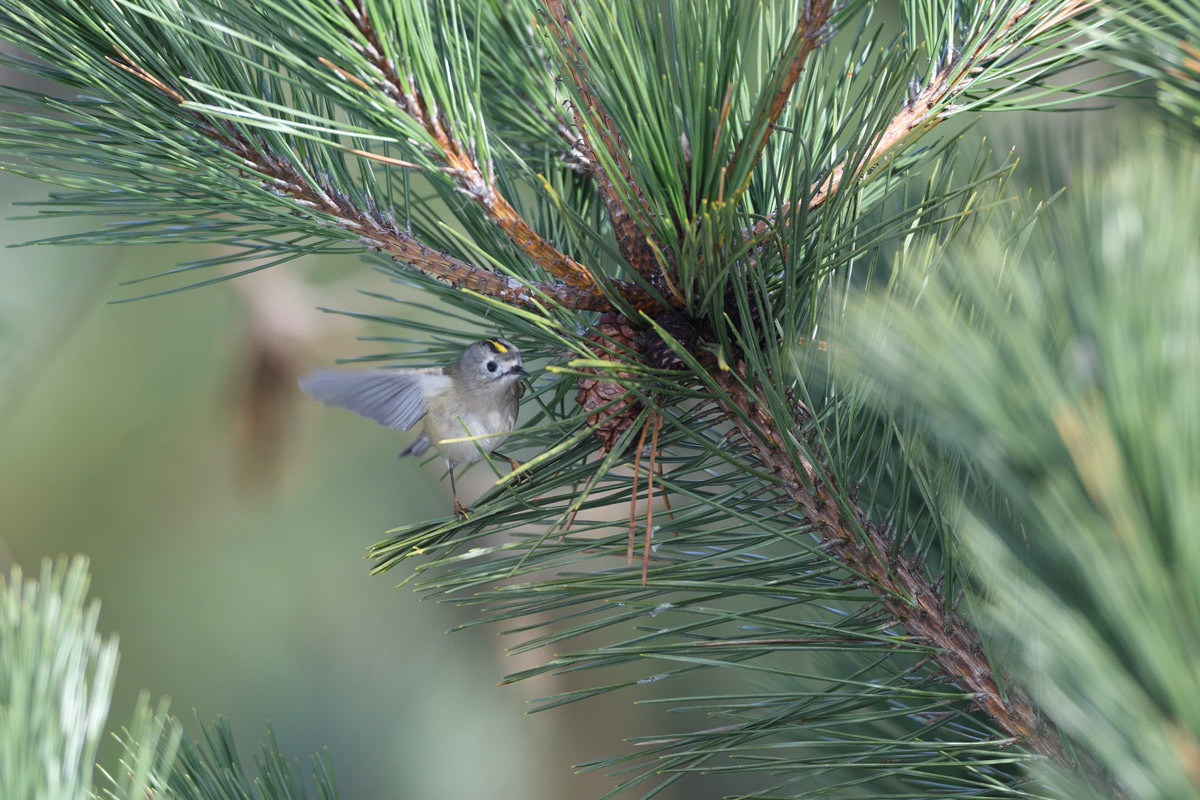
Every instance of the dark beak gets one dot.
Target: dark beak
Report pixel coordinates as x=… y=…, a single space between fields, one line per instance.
x=519 y=370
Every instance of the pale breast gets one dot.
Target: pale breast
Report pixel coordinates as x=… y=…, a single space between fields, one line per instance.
x=497 y=420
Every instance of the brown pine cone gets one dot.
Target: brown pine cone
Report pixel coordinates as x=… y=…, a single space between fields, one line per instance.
x=658 y=353
x=613 y=332
x=757 y=313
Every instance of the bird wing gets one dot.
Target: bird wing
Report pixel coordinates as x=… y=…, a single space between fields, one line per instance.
x=395 y=398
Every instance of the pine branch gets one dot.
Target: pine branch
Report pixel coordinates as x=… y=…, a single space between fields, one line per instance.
x=379 y=231
x=629 y=224
x=811 y=32
x=458 y=159
x=929 y=106
x=898 y=581
x=56 y=682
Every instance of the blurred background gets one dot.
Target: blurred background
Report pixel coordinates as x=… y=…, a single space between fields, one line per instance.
x=227 y=517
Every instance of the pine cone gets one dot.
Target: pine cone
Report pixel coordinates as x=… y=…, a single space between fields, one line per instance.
x=658 y=353
x=756 y=316
x=613 y=331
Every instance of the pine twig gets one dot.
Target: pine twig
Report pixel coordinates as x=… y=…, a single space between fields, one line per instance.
x=380 y=233
x=810 y=33
x=917 y=113
x=376 y=230
x=459 y=161
x=898 y=582
x=628 y=224
x=920 y=112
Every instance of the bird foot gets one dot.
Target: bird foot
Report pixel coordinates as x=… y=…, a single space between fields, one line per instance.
x=460 y=511
x=514 y=465
x=523 y=478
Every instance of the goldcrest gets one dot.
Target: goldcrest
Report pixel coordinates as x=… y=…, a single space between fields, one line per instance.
x=469 y=407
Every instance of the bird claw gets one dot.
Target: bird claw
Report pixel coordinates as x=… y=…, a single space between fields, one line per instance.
x=521 y=479
x=514 y=465
x=460 y=511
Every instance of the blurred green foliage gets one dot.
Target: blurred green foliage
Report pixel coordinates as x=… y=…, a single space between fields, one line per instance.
x=1061 y=358
x=119 y=438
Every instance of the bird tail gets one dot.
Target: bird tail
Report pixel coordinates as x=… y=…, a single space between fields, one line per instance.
x=416 y=447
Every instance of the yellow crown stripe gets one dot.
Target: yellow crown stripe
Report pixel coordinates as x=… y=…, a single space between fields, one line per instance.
x=498 y=345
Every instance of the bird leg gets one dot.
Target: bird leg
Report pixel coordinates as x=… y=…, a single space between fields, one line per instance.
x=512 y=462
x=460 y=510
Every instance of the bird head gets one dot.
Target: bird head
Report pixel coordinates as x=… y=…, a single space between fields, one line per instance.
x=491 y=362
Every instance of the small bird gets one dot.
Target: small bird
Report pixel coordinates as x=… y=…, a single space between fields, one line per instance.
x=477 y=395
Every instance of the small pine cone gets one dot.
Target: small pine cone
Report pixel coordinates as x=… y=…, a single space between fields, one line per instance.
x=613 y=331
x=756 y=311
x=658 y=353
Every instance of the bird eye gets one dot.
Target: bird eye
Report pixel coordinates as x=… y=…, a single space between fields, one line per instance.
x=491 y=365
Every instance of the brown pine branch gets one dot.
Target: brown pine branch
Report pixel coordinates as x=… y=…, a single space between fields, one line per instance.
x=811 y=32
x=919 y=116
x=925 y=108
x=898 y=582
x=459 y=161
x=629 y=224
x=378 y=231
x=381 y=233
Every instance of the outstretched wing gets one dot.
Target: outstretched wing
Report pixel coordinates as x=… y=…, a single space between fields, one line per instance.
x=393 y=398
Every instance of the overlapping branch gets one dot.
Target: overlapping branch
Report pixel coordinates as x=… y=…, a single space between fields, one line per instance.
x=898 y=581
x=811 y=32
x=628 y=224
x=379 y=231
x=459 y=161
